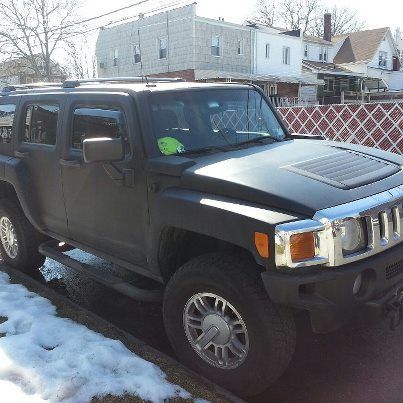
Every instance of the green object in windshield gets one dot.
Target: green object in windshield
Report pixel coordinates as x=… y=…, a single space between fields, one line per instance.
x=170 y=145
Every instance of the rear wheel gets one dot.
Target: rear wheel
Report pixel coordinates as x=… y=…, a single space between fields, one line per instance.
x=222 y=324
x=19 y=241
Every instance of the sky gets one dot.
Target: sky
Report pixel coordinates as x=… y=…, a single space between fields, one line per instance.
x=376 y=14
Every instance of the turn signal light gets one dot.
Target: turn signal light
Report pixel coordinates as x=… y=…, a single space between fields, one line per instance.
x=262 y=244
x=302 y=246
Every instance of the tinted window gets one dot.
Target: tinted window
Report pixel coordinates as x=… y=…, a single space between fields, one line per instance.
x=41 y=124
x=97 y=122
x=190 y=120
x=6 y=122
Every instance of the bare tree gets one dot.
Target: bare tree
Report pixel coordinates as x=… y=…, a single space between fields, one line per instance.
x=344 y=20
x=306 y=15
x=81 y=60
x=265 y=12
x=298 y=14
x=33 y=30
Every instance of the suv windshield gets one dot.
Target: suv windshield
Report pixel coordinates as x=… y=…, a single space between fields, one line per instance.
x=187 y=121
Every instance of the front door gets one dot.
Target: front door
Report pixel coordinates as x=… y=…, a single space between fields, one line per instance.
x=106 y=204
x=38 y=146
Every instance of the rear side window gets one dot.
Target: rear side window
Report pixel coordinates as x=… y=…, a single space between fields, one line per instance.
x=41 y=124
x=97 y=122
x=7 y=113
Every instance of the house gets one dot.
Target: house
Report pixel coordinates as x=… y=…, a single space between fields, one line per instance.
x=19 y=71
x=399 y=45
x=352 y=65
x=277 y=53
x=179 y=43
x=372 y=53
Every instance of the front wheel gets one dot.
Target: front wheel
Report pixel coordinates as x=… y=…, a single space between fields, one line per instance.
x=19 y=241
x=222 y=324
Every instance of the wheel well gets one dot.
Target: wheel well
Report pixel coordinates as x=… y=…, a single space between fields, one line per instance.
x=177 y=246
x=7 y=191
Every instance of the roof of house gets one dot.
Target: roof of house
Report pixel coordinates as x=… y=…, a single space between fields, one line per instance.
x=21 y=66
x=327 y=68
x=316 y=39
x=359 y=46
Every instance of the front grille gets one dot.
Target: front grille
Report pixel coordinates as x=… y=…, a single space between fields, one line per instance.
x=383 y=214
x=386 y=225
x=394 y=270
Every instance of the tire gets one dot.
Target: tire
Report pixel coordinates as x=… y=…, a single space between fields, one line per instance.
x=270 y=329
x=25 y=256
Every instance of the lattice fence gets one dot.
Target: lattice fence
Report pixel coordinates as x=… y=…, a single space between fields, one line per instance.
x=375 y=125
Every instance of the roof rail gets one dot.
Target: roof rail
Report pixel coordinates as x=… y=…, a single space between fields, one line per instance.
x=21 y=87
x=141 y=79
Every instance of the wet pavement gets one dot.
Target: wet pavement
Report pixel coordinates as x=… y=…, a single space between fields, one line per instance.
x=355 y=364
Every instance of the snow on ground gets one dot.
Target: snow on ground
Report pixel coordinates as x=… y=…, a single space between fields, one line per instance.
x=44 y=357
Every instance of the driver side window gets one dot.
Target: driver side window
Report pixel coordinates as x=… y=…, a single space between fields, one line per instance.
x=98 y=122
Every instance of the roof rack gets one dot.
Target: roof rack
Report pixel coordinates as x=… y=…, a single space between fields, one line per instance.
x=145 y=80
x=21 y=87
x=76 y=83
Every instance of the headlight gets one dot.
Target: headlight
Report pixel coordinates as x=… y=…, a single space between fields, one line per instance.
x=353 y=235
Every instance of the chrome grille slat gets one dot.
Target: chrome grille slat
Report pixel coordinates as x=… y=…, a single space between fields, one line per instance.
x=384 y=227
x=396 y=221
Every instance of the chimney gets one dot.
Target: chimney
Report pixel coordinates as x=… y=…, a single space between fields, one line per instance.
x=327 y=27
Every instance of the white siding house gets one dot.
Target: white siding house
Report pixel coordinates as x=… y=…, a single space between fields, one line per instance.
x=278 y=54
x=371 y=53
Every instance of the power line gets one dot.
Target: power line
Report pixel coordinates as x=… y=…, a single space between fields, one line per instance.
x=125 y=19
x=72 y=24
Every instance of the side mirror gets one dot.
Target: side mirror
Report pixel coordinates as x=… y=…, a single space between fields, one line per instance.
x=103 y=149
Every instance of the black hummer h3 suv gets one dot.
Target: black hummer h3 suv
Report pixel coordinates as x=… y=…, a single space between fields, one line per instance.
x=201 y=189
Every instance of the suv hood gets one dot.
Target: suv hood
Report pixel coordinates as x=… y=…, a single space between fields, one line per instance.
x=299 y=176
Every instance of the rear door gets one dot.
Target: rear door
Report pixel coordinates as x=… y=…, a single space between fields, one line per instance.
x=106 y=203
x=38 y=146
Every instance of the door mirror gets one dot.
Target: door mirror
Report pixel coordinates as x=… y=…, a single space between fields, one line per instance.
x=103 y=149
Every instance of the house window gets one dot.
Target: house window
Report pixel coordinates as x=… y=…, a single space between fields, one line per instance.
x=306 y=51
x=215 y=46
x=383 y=59
x=162 y=48
x=272 y=89
x=41 y=66
x=136 y=54
x=115 y=57
x=321 y=51
x=325 y=54
x=329 y=84
x=41 y=124
x=286 y=54
x=240 y=47
x=267 y=50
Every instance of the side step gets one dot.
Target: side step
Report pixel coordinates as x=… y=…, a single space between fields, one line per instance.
x=52 y=250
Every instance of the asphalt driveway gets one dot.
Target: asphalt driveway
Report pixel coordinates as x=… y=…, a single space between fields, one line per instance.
x=355 y=364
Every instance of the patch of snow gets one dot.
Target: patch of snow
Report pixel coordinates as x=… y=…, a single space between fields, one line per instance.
x=45 y=357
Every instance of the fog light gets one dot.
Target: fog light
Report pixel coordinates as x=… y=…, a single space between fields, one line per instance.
x=357 y=284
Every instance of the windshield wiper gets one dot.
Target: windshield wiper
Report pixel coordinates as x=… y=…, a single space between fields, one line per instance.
x=260 y=139
x=203 y=150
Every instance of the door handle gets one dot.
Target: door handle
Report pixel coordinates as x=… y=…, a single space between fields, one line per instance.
x=70 y=163
x=22 y=154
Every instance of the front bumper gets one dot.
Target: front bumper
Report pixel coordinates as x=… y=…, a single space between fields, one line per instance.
x=327 y=293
